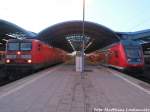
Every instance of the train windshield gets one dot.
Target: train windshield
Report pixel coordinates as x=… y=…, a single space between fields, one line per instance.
x=13 y=46
x=133 y=52
x=26 y=46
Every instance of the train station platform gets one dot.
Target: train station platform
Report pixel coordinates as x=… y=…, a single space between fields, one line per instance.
x=61 y=89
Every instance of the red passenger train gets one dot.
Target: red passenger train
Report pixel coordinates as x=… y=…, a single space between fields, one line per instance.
x=30 y=54
x=124 y=55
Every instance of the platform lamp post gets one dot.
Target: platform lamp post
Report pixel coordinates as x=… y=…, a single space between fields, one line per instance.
x=83 y=40
x=80 y=64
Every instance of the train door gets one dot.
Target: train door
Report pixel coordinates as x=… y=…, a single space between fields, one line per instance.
x=2 y=56
x=106 y=60
x=116 y=55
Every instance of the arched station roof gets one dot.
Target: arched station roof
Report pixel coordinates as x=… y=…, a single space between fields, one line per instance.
x=9 y=30
x=100 y=36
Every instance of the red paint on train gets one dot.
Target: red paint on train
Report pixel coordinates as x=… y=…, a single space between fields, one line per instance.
x=31 y=54
x=124 y=55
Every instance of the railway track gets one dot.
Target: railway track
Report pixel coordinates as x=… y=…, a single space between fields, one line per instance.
x=145 y=76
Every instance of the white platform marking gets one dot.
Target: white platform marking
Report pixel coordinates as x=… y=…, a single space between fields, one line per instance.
x=128 y=81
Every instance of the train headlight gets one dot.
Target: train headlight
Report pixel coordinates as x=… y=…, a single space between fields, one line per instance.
x=29 y=61
x=7 y=61
x=18 y=52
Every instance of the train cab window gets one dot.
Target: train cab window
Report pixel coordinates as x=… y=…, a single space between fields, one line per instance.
x=26 y=46
x=13 y=46
x=133 y=52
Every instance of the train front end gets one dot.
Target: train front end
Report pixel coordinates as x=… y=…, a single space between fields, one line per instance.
x=18 y=54
x=134 y=55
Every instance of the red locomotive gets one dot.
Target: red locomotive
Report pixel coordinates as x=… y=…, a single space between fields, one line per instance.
x=30 y=54
x=124 y=55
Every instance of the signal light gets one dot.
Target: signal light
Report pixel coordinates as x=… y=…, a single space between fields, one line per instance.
x=29 y=61
x=18 y=52
x=7 y=61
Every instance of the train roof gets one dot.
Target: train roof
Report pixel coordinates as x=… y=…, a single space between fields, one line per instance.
x=143 y=35
x=21 y=40
x=129 y=42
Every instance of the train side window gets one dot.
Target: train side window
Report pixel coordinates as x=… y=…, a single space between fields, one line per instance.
x=116 y=54
x=39 y=47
